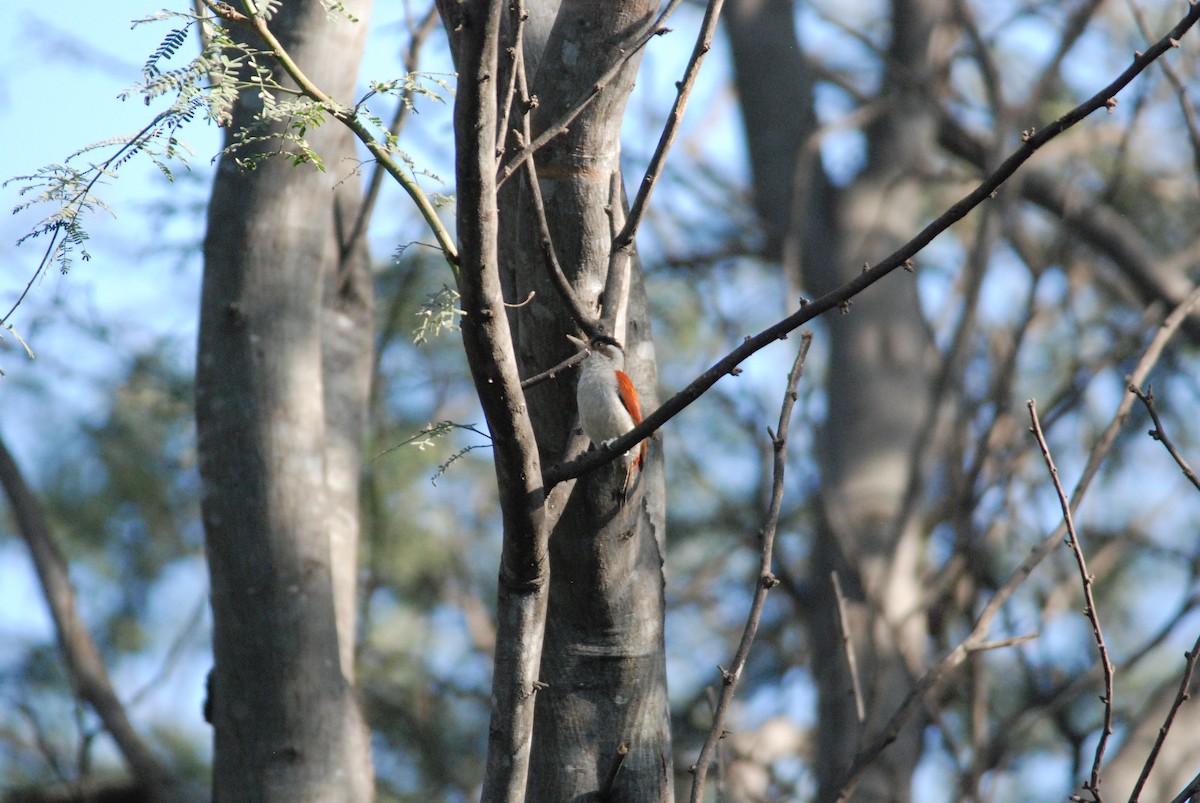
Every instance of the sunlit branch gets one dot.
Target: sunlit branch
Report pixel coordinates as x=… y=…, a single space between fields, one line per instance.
x=637 y=210
x=553 y=267
x=346 y=115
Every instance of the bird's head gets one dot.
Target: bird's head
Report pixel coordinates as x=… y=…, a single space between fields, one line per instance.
x=603 y=347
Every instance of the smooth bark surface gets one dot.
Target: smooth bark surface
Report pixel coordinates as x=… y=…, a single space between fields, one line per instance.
x=280 y=394
x=522 y=586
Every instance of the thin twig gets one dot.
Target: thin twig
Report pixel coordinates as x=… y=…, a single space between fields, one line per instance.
x=766 y=580
x=1181 y=89
x=412 y=60
x=1159 y=433
x=637 y=210
x=974 y=642
x=77 y=203
x=553 y=371
x=514 y=50
x=1033 y=140
x=1180 y=697
x=635 y=42
x=1149 y=358
x=585 y=321
x=1087 y=581
x=848 y=646
x=614 y=301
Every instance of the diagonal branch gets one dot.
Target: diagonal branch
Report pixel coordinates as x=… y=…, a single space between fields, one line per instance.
x=553 y=267
x=637 y=210
x=636 y=41
x=1159 y=433
x=412 y=60
x=1181 y=696
x=84 y=665
x=1105 y=230
x=345 y=115
x=1033 y=140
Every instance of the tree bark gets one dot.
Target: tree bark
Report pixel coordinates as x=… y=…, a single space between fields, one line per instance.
x=603 y=659
x=281 y=390
x=487 y=340
x=603 y=723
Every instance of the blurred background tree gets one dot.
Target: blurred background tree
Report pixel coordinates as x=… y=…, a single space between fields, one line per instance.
x=821 y=136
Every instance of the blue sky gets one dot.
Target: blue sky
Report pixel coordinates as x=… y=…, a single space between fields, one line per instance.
x=60 y=74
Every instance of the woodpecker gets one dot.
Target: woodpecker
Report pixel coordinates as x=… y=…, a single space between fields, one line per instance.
x=607 y=401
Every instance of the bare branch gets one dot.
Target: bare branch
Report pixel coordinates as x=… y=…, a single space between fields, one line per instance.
x=1159 y=433
x=1186 y=108
x=766 y=580
x=637 y=211
x=523 y=588
x=553 y=371
x=412 y=59
x=1180 y=697
x=636 y=41
x=1148 y=360
x=1087 y=580
x=901 y=257
x=82 y=659
x=585 y=321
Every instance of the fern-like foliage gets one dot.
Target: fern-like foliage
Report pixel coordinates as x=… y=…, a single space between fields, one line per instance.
x=207 y=87
x=69 y=189
x=439 y=313
x=428 y=437
x=169 y=47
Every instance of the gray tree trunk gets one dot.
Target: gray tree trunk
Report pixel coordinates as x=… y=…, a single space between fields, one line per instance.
x=603 y=656
x=880 y=375
x=281 y=390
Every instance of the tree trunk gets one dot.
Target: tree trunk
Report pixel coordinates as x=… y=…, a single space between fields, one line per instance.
x=603 y=659
x=879 y=380
x=281 y=391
